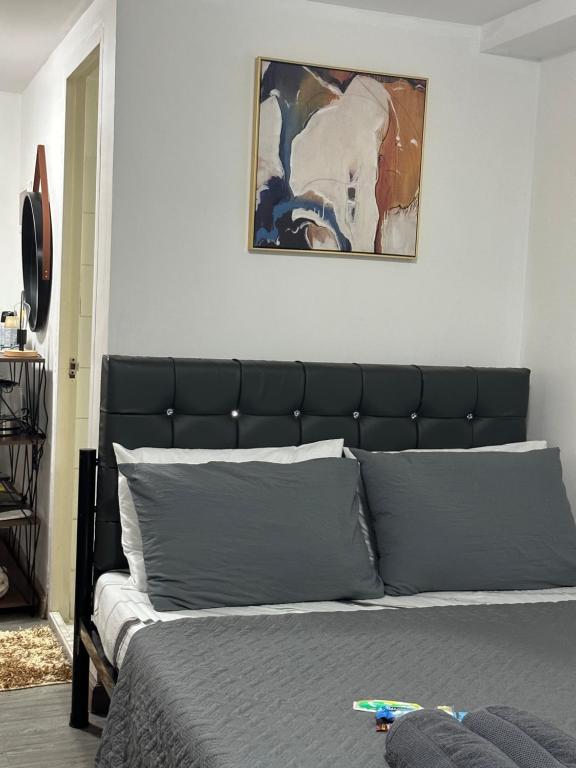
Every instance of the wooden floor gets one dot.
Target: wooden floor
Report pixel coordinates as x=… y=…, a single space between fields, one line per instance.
x=34 y=727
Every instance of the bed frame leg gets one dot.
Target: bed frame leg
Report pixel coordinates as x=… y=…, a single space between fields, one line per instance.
x=80 y=686
x=84 y=588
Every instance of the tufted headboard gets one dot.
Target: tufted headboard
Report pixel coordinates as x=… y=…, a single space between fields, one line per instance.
x=189 y=403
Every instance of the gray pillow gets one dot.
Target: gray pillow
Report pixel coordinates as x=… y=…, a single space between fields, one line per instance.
x=470 y=521
x=222 y=534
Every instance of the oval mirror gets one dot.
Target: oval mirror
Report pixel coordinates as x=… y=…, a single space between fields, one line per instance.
x=37 y=246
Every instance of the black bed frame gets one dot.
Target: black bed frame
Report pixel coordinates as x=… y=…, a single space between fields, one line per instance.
x=194 y=403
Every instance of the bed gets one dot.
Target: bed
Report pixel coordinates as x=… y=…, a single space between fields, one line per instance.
x=260 y=685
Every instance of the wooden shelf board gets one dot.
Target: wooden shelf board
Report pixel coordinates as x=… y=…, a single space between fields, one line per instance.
x=19 y=595
x=10 y=359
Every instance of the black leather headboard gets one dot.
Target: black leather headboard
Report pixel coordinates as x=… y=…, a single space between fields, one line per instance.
x=188 y=403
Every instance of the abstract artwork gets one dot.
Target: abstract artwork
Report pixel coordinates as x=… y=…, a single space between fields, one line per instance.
x=337 y=160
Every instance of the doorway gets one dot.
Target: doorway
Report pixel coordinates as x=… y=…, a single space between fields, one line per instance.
x=75 y=355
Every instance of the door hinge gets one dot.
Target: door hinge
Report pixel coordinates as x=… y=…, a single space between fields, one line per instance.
x=72 y=368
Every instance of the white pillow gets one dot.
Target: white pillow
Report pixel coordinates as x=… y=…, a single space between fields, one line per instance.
x=534 y=445
x=527 y=445
x=131 y=538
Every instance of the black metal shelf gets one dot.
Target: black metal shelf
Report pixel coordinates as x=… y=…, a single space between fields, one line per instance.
x=20 y=458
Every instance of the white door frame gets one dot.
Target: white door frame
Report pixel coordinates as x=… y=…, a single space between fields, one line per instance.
x=103 y=229
x=96 y=29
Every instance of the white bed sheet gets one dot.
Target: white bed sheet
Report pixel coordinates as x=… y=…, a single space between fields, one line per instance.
x=120 y=610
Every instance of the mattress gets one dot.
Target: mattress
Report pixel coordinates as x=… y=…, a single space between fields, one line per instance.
x=120 y=610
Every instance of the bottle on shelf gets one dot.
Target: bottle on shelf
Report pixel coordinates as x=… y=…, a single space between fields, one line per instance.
x=9 y=330
x=3 y=337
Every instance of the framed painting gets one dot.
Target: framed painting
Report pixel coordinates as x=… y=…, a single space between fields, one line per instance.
x=337 y=160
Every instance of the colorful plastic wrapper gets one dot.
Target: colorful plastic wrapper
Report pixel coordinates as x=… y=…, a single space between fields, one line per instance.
x=387 y=711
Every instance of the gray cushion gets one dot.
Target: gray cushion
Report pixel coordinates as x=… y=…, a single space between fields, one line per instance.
x=223 y=534
x=470 y=521
x=529 y=741
x=494 y=737
x=434 y=739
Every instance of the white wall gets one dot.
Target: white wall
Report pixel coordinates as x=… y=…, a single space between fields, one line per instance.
x=43 y=122
x=10 y=262
x=183 y=282
x=549 y=346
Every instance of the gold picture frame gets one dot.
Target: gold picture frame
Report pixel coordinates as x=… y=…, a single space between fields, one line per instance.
x=337 y=157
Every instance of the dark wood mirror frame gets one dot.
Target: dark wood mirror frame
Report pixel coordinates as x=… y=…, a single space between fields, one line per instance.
x=37 y=245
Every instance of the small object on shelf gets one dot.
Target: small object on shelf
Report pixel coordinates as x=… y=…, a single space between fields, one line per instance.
x=5 y=332
x=19 y=595
x=4 y=581
x=10 y=330
x=11 y=502
x=23 y=315
x=21 y=339
x=9 y=426
x=10 y=408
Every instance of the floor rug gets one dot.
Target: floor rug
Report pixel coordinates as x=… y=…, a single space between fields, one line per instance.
x=31 y=658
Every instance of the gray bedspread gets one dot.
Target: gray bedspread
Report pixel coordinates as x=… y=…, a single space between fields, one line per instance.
x=277 y=691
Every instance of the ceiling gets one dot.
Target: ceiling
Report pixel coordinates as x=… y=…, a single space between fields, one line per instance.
x=29 y=32
x=31 y=29
x=474 y=12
